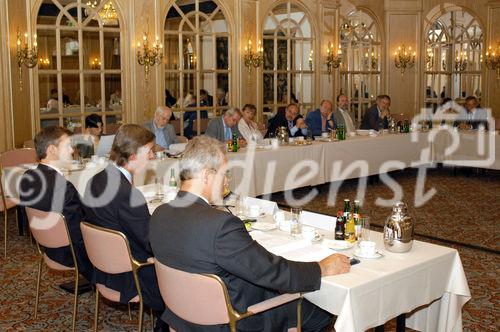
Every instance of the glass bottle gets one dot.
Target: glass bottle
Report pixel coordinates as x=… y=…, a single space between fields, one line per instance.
x=347 y=208
x=235 y=142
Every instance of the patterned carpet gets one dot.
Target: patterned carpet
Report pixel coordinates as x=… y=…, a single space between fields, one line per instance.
x=464 y=210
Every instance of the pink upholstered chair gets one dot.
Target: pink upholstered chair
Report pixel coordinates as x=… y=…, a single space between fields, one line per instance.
x=109 y=251
x=203 y=298
x=11 y=158
x=49 y=229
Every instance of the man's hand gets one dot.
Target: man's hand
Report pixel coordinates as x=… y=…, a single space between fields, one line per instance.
x=157 y=148
x=242 y=142
x=334 y=264
x=300 y=123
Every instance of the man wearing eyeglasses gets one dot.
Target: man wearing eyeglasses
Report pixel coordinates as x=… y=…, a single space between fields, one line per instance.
x=217 y=242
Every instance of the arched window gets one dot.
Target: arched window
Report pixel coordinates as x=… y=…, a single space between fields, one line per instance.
x=454 y=42
x=360 y=68
x=79 y=69
x=287 y=43
x=197 y=62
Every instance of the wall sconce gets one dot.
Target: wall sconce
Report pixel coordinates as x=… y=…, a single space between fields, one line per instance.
x=149 y=56
x=460 y=61
x=371 y=61
x=493 y=60
x=333 y=60
x=253 y=59
x=429 y=59
x=404 y=58
x=43 y=63
x=25 y=55
x=95 y=64
x=311 y=57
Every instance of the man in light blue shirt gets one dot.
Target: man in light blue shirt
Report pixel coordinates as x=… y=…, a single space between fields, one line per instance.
x=222 y=128
x=164 y=131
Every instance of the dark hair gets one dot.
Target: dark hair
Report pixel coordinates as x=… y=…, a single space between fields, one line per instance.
x=250 y=107
x=291 y=105
x=129 y=138
x=469 y=98
x=48 y=136
x=340 y=95
x=445 y=100
x=52 y=91
x=92 y=120
x=379 y=97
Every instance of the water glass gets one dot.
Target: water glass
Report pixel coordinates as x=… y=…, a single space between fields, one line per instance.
x=295 y=224
x=159 y=187
x=365 y=229
x=239 y=202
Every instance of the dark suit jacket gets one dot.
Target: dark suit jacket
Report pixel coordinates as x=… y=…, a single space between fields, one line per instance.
x=313 y=121
x=215 y=129
x=112 y=202
x=279 y=120
x=372 y=120
x=189 y=235
x=45 y=189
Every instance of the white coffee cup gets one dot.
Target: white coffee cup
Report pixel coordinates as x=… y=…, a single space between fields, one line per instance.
x=299 y=138
x=279 y=217
x=324 y=134
x=275 y=143
x=308 y=232
x=254 y=211
x=291 y=140
x=367 y=248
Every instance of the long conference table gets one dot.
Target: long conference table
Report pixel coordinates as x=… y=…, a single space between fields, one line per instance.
x=259 y=171
x=428 y=283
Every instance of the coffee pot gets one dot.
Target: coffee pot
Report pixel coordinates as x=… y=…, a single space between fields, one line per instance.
x=282 y=135
x=398 y=229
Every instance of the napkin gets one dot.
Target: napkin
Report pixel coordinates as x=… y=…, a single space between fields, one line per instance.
x=267 y=207
x=317 y=220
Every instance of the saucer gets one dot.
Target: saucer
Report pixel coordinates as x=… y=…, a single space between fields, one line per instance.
x=263 y=226
x=378 y=254
x=339 y=244
x=317 y=238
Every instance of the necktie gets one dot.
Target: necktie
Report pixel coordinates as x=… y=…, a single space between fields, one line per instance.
x=228 y=133
x=290 y=124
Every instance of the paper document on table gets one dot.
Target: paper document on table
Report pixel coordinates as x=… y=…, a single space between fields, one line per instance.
x=317 y=220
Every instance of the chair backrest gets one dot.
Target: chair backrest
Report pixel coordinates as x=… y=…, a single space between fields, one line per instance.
x=195 y=298
x=203 y=125
x=48 y=228
x=17 y=157
x=108 y=250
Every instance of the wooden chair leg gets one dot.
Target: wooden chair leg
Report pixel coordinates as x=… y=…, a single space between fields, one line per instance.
x=38 y=285
x=141 y=313
x=96 y=312
x=75 y=304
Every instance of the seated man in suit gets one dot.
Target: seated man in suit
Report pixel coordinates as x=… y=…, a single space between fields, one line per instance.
x=223 y=127
x=45 y=188
x=189 y=235
x=321 y=119
x=475 y=116
x=376 y=116
x=164 y=131
x=111 y=201
x=291 y=120
x=341 y=114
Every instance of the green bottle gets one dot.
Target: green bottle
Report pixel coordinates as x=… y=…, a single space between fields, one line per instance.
x=235 y=142
x=172 y=183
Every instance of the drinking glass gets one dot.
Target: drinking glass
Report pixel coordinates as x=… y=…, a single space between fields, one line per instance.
x=295 y=224
x=159 y=187
x=365 y=229
x=239 y=201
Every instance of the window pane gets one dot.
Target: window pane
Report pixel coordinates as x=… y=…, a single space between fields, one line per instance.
x=47 y=83
x=92 y=88
x=208 y=84
x=268 y=95
x=282 y=54
x=91 y=50
x=47 y=55
x=222 y=53
x=268 y=46
x=111 y=50
x=48 y=13
x=70 y=49
x=71 y=89
x=222 y=92
x=206 y=54
x=171 y=51
x=112 y=91
x=172 y=89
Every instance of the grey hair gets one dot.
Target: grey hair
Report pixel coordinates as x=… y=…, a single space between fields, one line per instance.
x=202 y=152
x=161 y=109
x=232 y=111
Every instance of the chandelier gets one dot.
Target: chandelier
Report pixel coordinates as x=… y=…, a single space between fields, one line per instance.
x=404 y=58
x=107 y=13
x=493 y=59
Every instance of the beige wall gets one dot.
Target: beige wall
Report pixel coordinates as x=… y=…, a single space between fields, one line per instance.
x=399 y=20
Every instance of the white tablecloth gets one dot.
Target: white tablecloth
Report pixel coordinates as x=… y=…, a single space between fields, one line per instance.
x=428 y=281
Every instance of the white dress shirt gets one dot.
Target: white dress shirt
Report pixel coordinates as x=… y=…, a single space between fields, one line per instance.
x=250 y=133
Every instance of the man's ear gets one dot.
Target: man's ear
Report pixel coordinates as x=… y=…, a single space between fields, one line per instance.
x=132 y=157
x=51 y=150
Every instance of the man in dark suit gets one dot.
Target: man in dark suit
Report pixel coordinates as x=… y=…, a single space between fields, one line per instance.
x=188 y=234
x=322 y=119
x=111 y=201
x=45 y=188
x=291 y=120
x=376 y=116
x=222 y=128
